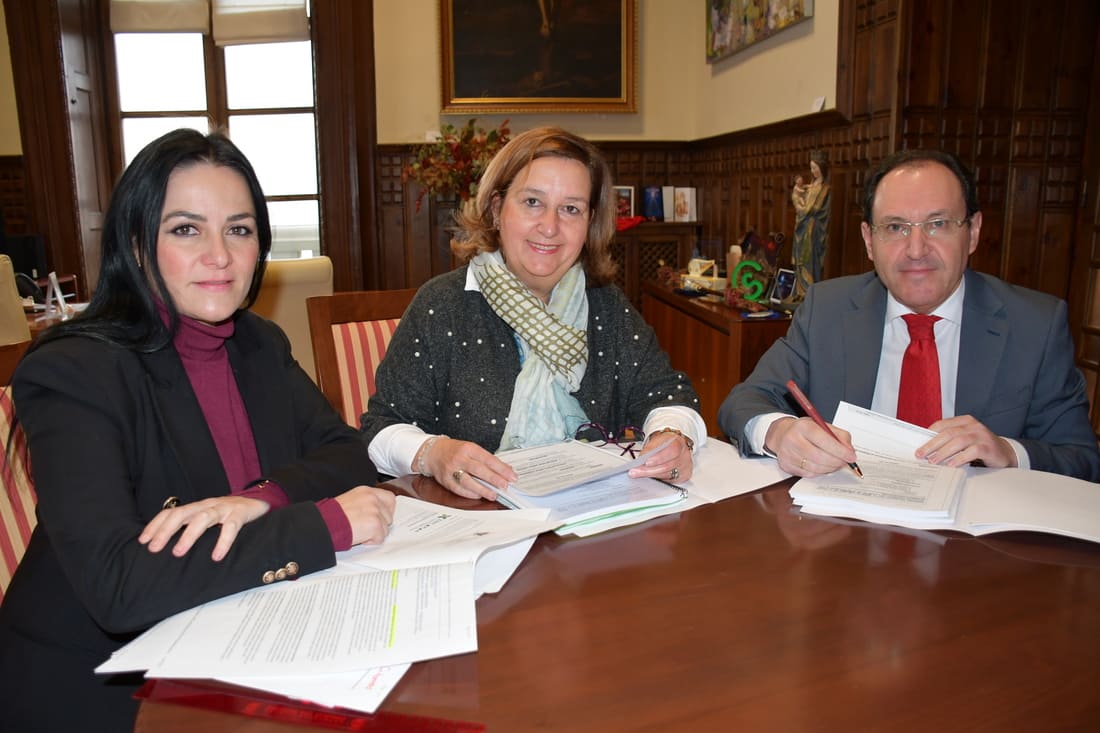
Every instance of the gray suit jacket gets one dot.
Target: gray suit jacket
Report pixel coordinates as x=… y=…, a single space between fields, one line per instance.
x=1016 y=367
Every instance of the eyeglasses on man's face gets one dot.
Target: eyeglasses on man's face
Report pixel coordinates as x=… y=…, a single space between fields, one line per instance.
x=938 y=228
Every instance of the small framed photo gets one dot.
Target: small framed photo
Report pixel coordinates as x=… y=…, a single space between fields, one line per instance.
x=624 y=201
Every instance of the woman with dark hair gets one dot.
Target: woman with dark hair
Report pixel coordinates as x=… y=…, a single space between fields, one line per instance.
x=178 y=451
x=530 y=340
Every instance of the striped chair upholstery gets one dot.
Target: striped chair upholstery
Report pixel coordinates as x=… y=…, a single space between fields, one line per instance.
x=350 y=332
x=17 y=499
x=360 y=346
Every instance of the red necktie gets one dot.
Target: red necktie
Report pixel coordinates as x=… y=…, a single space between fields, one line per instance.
x=919 y=391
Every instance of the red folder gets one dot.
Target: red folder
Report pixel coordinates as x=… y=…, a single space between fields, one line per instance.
x=224 y=698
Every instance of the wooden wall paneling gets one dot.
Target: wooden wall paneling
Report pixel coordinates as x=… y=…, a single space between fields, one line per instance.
x=1084 y=302
x=993 y=185
x=1052 y=273
x=921 y=128
x=443 y=230
x=419 y=251
x=992 y=151
x=1022 y=224
x=967 y=53
x=994 y=143
x=406 y=238
x=884 y=68
x=1039 y=56
x=1005 y=27
x=13 y=194
x=850 y=257
x=925 y=54
x=861 y=72
x=402 y=226
x=1073 y=71
x=960 y=135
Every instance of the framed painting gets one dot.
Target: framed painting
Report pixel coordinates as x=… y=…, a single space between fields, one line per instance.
x=624 y=200
x=734 y=25
x=538 y=55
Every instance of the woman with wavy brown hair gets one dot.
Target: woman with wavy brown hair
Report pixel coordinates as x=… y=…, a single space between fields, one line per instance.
x=530 y=340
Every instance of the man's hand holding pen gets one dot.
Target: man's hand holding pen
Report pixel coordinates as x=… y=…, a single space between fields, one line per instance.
x=804 y=448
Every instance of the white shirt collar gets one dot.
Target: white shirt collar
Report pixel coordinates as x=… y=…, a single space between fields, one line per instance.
x=471 y=281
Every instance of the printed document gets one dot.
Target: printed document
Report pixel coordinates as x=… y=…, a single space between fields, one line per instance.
x=987 y=500
x=547 y=469
x=895 y=485
x=719 y=473
x=327 y=623
x=597 y=501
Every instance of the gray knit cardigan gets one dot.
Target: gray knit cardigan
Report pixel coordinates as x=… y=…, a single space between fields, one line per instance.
x=452 y=365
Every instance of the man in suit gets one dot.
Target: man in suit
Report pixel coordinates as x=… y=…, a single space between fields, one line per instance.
x=1009 y=393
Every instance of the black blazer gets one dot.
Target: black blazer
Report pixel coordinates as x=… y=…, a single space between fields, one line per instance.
x=114 y=433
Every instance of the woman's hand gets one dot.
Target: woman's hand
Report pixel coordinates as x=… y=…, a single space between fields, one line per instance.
x=668 y=457
x=370 y=512
x=455 y=463
x=231 y=512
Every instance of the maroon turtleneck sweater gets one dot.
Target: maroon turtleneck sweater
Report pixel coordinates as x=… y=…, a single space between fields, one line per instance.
x=202 y=350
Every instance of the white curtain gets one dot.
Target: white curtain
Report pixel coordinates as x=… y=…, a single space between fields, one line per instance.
x=160 y=16
x=259 y=21
x=232 y=21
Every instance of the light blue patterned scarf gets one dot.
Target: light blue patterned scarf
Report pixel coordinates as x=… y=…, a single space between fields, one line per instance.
x=553 y=343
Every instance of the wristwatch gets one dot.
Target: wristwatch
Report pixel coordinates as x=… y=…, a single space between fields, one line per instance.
x=689 y=441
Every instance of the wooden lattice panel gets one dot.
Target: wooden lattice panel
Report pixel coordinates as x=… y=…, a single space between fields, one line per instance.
x=390 y=187
x=618 y=254
x=651 y=255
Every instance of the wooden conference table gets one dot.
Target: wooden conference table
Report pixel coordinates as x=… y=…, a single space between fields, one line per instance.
x=743 y=616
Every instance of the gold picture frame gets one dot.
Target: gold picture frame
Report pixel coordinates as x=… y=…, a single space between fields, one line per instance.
x=506 y=56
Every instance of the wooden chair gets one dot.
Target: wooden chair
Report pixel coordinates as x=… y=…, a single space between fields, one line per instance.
x=15 y=330
x=10 y=354
x=350 y=333
x=282 y=298
x=17 y=498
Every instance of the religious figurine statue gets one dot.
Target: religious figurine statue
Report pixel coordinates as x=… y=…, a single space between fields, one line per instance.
x=811 y=224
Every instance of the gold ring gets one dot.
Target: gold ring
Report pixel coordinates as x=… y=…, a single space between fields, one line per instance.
x=457 y=476
x=803 y=464
x=675 y=474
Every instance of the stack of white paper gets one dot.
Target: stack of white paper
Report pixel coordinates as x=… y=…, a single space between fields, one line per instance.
x=345 y=636
x=890 y=492
x=592 y=495
x=918 y=495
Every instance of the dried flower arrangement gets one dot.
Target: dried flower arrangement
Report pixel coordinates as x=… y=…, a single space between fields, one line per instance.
x=452 y=165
